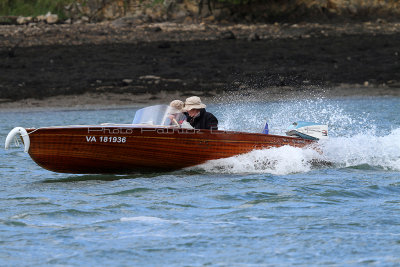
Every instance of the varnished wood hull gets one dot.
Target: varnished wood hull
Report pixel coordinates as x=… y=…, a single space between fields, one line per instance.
x=114 y=149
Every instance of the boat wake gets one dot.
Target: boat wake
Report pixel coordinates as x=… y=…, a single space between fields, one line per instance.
x=282 y=160
x=366 y=150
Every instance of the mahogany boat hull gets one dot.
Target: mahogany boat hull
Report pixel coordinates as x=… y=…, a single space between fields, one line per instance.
x=117 y=149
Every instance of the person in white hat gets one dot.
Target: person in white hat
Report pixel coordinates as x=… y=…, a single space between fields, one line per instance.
x=198 y=117
x=176 y=114
x=176 y=106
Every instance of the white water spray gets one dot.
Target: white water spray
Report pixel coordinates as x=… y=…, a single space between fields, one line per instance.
x=364 y=149
x=338 y=152
x=355 y=139
x=279 y=161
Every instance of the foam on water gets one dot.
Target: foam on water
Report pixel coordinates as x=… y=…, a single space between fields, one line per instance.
x=278 y=161
x=354 y=138
x=362 y=149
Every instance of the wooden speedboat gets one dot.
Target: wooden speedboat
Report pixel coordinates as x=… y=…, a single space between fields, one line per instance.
x=145 y=145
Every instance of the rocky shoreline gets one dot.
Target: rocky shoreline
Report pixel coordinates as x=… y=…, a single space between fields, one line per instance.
x=150 y=62
x=125 y=30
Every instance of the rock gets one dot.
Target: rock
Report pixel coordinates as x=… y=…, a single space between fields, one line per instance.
x=222 y=13
x=41 y=18
x=85 y=19
x=332 y=4
x=51 y=18
x=179 y=15
x=253 y=37
x=352 y=9
x=393 y=84
x=121 y=22
x=131 y=21
x=24 y=20
x=21 y=20
x=149 y=77
x=68 y=7
x=228 y=35
x=102 y=9
x=381 y=21
x=217 y=13
x=73 y=11
x=156 y=14
x=192 y=7
x=188 y=20
x=209 y=19
x=78 y=21
x=127 y=81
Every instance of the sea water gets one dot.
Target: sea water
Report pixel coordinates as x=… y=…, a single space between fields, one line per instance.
x=285 y=206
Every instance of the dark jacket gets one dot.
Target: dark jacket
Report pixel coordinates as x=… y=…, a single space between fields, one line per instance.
x=205 y=120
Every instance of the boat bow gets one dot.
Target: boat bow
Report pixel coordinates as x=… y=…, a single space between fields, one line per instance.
x=13 y=134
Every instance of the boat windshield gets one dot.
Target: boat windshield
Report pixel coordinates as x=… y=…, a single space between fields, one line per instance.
x=162 y=115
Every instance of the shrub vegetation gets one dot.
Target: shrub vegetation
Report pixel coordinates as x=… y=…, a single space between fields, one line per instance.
x=33 y=7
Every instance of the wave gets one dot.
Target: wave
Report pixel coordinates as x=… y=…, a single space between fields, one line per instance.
x=381 y=152
x=363 y=134
x=282 y=160
x=364 y=149
x=148 y=219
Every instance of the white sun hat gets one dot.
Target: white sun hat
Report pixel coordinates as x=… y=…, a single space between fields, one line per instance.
x=193 y=102
x=176 y=106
